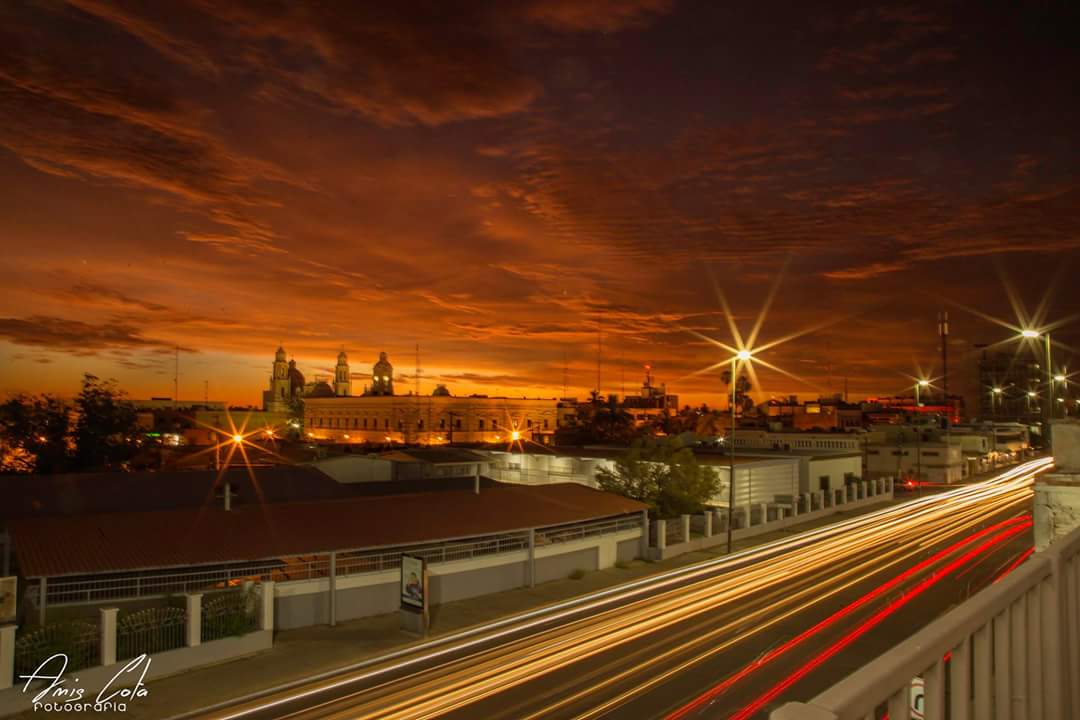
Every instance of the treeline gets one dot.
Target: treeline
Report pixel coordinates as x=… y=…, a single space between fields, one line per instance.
x=44 y=434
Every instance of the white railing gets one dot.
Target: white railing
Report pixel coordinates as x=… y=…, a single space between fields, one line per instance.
x=1011 y=651
x=86 y=589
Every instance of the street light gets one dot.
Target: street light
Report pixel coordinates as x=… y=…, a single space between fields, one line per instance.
x=920 y=385
x=995 y=393
x=743 y=355
x=238 y=438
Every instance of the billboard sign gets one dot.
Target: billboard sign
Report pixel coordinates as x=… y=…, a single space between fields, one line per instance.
x=413 y=583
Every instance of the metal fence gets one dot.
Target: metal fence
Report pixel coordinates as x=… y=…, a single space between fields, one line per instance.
x=72 y=590
x=1012 y=650
x=150 y=631
x=229 y=614
x=79 y=640
x=674 y=531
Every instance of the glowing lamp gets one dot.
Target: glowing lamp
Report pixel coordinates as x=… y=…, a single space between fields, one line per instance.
x=997 y=391
x=1030 y=334
x=743 y=355
x=1031 y=393
x=924 y=383
x=1059 y=378
x=238 y=438
x=515 y=435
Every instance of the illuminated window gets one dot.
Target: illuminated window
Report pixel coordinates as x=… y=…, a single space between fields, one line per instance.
x=481 y=425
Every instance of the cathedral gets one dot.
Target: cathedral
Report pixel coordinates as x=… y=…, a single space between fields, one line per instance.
x=287 y=383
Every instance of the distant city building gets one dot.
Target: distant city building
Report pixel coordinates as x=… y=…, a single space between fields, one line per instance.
x=822 y=414
x=379 y=416
x=651 y=402
x=1010 y=387
x=898 y=409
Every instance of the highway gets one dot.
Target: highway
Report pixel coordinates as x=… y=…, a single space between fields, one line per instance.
x=731 y=637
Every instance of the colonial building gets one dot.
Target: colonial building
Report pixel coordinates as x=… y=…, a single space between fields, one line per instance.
x=379 y=416
x=287 y=383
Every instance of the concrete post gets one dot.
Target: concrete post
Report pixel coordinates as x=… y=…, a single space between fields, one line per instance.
x=333 y=589
x=747 y=516
x=661 y=534
x=266 y=606
x=644 y=534
x=532 y=557
x=720 y=523
x=194 y=619
x=808 y=502
x=107 y=628
x=764 y=513
x=7 y=656
x=708 y=524
x=865 y=489
x=686 y=528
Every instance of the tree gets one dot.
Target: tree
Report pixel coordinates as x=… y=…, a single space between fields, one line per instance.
x=106 y=435
x=34 y=435
x=663 y=474
x=598 y=422
x=743 y=402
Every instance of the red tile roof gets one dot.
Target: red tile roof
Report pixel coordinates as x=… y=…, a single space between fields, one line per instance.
x=116 y=542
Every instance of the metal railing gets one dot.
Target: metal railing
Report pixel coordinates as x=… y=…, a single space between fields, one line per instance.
x=1012 y=650
x=149 y=631
x=79 y=640
x=73 y=590
x=580 y=531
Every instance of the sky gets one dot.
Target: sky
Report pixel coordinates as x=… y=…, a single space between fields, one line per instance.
x=510 y=184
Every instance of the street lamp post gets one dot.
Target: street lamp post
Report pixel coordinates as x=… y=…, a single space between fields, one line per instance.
x=1034 y=335
x=743 y=355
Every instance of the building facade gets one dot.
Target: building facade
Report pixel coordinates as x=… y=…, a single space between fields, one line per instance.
x=429 y=419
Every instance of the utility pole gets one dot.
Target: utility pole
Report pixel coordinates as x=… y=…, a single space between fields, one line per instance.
x=599 y=350
x=943 y=329
x=176 y=380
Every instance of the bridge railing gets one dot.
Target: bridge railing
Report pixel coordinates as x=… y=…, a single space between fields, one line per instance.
x=1012 y=650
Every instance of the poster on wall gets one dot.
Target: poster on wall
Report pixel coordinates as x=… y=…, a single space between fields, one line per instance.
x=413 y=585
x=8 y=586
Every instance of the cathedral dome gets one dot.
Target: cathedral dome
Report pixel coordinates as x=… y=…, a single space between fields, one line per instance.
x=322 y=390
x=296 y=379
x=440 y=391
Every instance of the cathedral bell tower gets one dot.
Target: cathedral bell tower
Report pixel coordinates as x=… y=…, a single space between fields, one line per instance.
x=277 y=399
x=382 y=377
x=342 y=378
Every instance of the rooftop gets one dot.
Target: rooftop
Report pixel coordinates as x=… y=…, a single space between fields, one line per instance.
x=82 y=493
x=118 y=542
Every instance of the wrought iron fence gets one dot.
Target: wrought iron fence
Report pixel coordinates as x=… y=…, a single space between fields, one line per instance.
x=80 y=641
x=674 y=531
x=150 y=631
x=229 y=614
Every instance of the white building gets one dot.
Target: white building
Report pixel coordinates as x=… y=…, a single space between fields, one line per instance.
x=757 y=479
x=929 y=461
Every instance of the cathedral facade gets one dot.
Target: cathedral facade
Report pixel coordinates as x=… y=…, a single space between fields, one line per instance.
x=287 y=383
